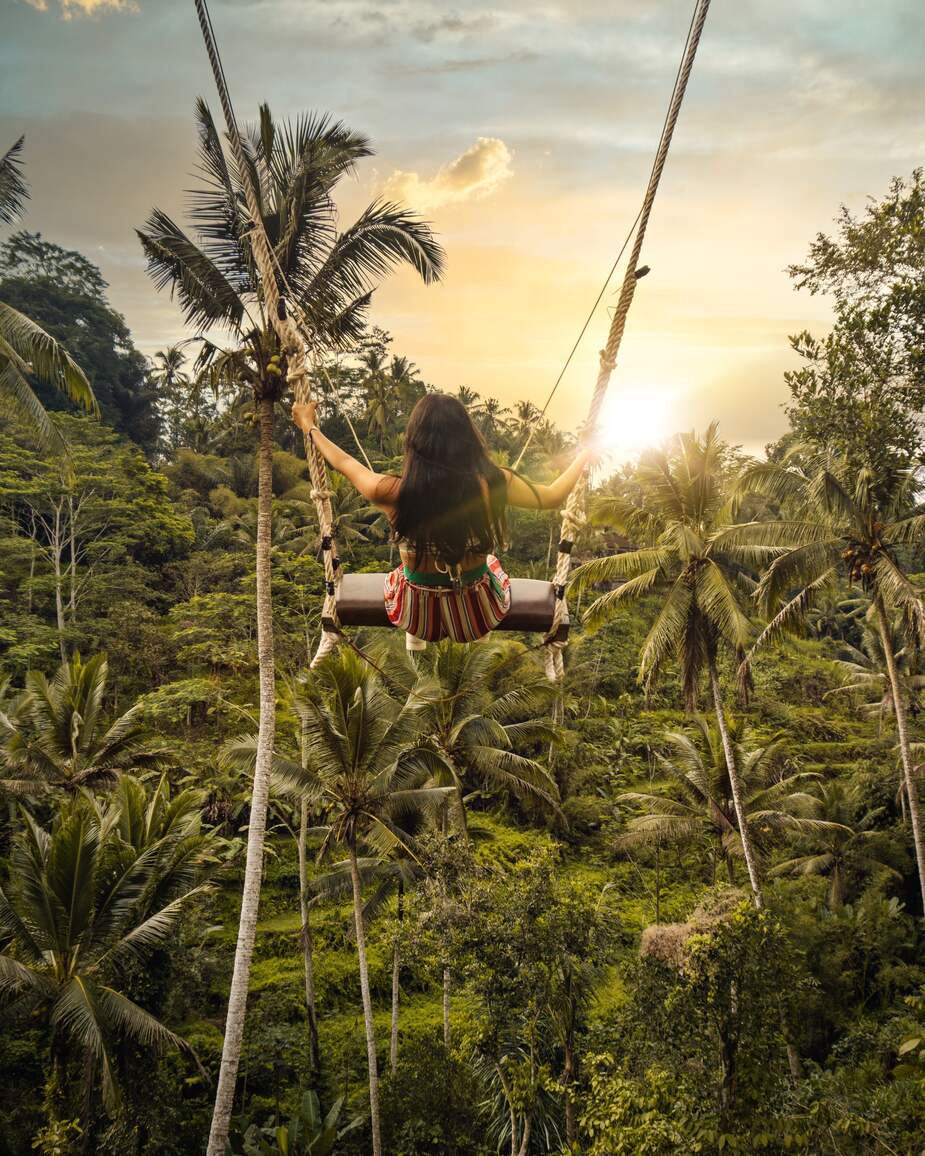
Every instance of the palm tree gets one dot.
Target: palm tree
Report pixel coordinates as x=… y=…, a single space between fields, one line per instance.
x=491 y=418
x=329 y=276
x=57 y=737
x=352 y=516
x=486 y=704
x=174 y=384
x=526 y=416
x=691 y=565
x=406 y=382
x=840 y=841
x=367 y=770
x=843 y=526
x=696 y=805
x=94 y=895
x=467 y=396
x=25 y=348
x=381 y=394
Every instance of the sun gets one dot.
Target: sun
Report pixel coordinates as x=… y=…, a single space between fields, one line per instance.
x=633 y=419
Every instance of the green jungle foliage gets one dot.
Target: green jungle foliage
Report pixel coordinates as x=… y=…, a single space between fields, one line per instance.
x=673 y=907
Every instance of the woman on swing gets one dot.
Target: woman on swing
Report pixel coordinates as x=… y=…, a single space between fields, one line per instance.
x=447 y=513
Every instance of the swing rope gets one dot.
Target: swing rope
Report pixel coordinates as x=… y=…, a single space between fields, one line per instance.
x=298 y=347
x=572 y=517
x=294 y=345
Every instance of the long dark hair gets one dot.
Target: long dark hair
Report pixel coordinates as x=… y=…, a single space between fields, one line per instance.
x=452 y=495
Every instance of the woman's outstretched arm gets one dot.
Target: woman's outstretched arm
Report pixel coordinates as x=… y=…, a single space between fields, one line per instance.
x=534 y=496
x=374 y=487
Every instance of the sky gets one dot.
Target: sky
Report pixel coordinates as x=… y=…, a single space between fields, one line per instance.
x=524 y=132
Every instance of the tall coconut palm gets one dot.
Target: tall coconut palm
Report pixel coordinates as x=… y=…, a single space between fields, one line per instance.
x=841 y=841
x=330 y=276
x=695 y=803
x=57 y=738
x=86 y=900
x=486 y=704
x=689 y=569
x=368 y=770
x=843 y=526
x=25 y=348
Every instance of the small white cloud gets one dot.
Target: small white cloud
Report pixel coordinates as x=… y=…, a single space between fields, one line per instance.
x=70 y=8
x=474 y=174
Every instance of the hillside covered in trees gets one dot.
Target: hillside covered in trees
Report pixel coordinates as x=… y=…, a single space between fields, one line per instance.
x=675 y=905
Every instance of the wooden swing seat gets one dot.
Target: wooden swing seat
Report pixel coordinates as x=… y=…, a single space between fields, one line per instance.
x=360 y=602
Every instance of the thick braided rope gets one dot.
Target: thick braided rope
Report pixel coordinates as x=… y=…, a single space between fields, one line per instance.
x=571 y=516
x=289 y=336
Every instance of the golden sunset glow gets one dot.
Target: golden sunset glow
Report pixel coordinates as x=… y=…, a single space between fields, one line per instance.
x=526 y=138
x=633 y=419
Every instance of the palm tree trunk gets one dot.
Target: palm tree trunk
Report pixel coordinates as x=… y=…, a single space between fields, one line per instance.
x=793 y=1056
x=396 y=970
x=253 y=870
x=909 y=777
x=314 y=1050
x=736 y=786
x=367 y=1002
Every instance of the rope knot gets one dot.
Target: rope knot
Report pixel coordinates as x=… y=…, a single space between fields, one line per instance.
x=298 y=368
x=321 y=495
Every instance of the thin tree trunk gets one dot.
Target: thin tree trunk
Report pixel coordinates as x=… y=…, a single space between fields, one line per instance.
x=658 y=882
x=57 y=548
x=314 y=1050
x=909 y=778
x=72 y=569
x=367 y=1002
x=525 y=1139
x=727 y=1093
x=253 y=871
x=396 y=990
x=793 y=1056
x=733 y=773
x=31 y=576
x=446 y=1006
x=569 y=1077
x=512 y=1114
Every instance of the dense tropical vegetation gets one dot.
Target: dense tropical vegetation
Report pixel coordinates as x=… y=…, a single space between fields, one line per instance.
x=673 y=906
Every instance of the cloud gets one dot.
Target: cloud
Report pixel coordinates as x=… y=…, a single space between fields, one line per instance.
x=476 y=173
x=85 y=7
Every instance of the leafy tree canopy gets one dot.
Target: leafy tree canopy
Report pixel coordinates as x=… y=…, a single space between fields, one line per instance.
x=66 y=294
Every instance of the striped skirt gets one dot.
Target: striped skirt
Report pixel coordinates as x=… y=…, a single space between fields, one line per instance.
x=431 y=611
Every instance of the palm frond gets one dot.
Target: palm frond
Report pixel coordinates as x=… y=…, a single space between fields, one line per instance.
x=13 y=188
